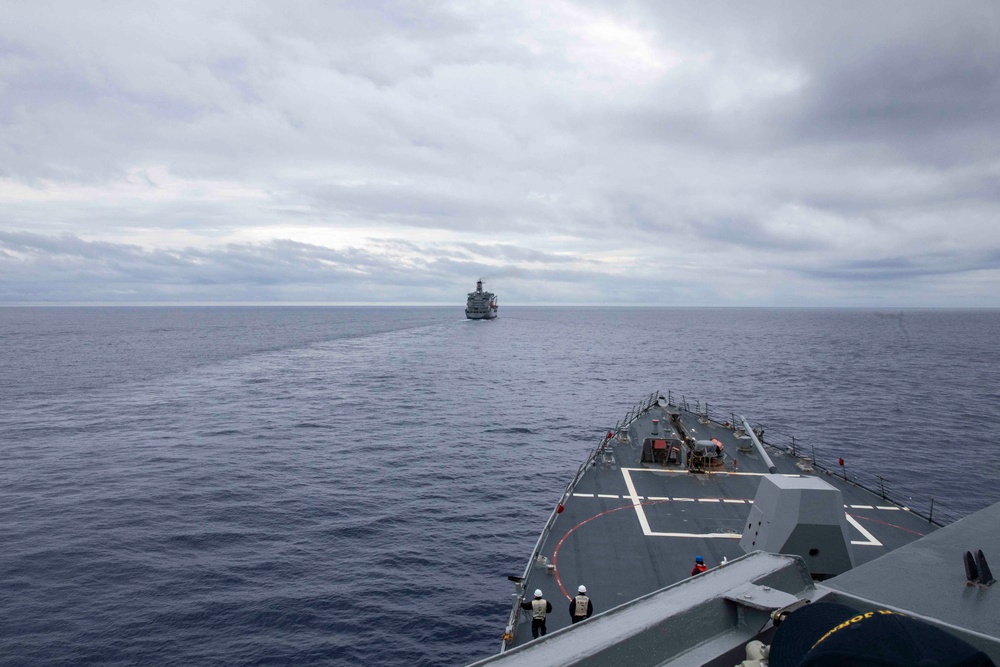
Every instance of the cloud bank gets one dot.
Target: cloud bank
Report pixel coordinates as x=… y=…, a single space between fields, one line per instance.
x=385 y=152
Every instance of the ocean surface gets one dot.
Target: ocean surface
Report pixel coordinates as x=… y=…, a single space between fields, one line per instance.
x=348 y=486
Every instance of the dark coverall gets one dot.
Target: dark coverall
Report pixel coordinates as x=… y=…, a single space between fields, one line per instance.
x=584 y=602
x=537 y=624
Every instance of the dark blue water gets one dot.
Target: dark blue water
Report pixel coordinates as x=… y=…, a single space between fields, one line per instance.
x=345 y=486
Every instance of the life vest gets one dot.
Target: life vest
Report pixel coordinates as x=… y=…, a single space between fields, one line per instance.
x=538 y=606
x=581 y=605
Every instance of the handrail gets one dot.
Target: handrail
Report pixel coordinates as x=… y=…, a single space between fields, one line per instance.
x=925 y=507
x=633 y=414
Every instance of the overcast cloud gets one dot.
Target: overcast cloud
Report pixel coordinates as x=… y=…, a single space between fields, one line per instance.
x=800 y=154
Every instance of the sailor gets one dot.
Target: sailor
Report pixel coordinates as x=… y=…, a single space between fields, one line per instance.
x=699 y=566
x=538 y=607
x=581 y=607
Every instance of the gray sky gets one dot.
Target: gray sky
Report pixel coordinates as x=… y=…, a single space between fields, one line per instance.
x=785 y=154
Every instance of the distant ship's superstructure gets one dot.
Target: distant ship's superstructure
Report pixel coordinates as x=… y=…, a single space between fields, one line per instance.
x=481 y=305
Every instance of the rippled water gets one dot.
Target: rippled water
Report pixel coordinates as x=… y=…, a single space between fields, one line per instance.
x=352 y=485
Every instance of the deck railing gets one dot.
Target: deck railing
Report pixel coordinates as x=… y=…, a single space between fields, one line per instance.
x=892 y=492
x=633 y=414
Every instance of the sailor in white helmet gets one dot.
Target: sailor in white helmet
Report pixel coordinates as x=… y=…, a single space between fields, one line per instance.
x=538 y=607
x=581 y=607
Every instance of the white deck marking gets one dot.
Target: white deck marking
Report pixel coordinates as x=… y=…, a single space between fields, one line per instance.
x=648 y=532
x=731 y=536
x=740 y=501
x=667 y=471
x=872 y=542
x=640 y=514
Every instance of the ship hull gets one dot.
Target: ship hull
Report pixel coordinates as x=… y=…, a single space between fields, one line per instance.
x=631 y=506
x=481 y=305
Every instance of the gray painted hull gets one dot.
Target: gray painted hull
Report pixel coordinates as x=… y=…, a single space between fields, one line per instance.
x=481 y=305
x=631 y=523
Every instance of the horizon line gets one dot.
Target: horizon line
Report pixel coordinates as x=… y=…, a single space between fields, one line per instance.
x=396 y=304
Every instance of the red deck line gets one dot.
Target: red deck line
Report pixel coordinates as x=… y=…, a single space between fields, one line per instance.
x=884 y=523
x=555 y=553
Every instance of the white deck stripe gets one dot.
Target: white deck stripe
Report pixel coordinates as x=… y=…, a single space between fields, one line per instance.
x=862 y=507
x=885 y=507
x=735 y=501
x=640 y=514
x=711 y=472
x=730 y=536
x=872 y=542
x=644 y=523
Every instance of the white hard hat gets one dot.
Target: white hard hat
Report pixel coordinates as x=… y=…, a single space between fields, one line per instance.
x=538 y=592
x=582 y=588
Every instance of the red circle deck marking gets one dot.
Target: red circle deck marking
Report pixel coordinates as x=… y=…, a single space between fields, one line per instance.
x=555 y=553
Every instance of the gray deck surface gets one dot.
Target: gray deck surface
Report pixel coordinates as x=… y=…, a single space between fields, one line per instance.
x=631 y=528
x=936 y=562
x=707 y=621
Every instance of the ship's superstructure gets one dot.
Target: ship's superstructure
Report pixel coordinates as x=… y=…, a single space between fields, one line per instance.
x=481 y=305
x=671 y=484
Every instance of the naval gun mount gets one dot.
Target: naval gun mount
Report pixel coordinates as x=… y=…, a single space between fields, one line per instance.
x=802 y=516
x=669 y=444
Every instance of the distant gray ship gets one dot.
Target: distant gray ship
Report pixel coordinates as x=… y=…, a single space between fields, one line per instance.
x=481 y=305
x=695 y=539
